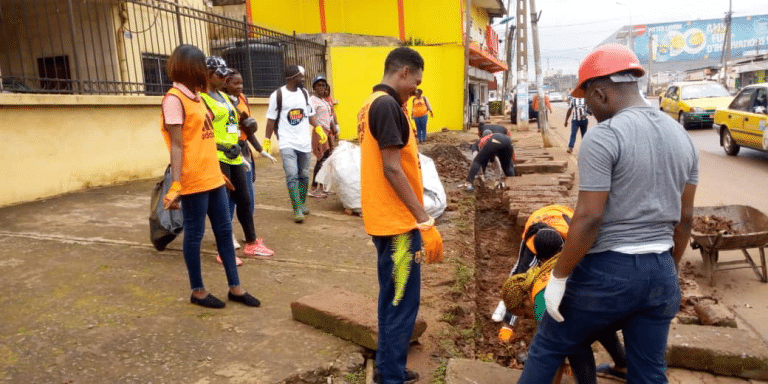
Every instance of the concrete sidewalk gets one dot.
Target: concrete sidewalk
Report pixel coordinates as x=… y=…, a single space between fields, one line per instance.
x=86 y=299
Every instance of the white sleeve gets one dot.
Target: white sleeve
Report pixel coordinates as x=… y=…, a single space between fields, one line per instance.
x=311 y=108
x=272 y=108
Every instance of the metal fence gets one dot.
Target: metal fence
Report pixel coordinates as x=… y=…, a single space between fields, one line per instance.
x=122 y=46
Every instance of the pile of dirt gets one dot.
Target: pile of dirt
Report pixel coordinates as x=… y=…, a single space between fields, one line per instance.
x=713 y=224
x=451 y=164
x=444 y=138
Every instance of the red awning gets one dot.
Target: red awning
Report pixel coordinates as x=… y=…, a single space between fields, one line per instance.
x=480 y=58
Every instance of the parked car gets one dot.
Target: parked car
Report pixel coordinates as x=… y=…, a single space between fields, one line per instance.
x=743 y=123
x=556 y=97
x=694 y=103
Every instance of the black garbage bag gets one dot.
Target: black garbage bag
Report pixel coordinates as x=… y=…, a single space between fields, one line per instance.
x=164 y=225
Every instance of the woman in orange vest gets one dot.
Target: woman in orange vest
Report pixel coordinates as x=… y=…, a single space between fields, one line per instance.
x=419 y=109
x=198 y=183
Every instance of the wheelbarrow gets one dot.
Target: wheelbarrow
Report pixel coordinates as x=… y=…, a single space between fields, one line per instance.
x=751 y=227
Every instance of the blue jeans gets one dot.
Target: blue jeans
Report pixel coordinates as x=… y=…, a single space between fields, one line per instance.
x=195 y=207
x=577 y=125
x=296 y=167
x=399 y=296
x=638 y=293
x=421 y=128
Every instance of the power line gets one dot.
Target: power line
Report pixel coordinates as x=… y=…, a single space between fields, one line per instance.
x=584 y=23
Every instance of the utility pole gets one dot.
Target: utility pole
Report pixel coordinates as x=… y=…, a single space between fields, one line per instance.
x=521 y=55
x=507 y=46
x=467 y=30
x=546 y=135
x=649 y=88
x=727 y=43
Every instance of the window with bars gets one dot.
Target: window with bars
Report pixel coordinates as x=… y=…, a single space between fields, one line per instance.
x=54 y=74
x=156 y=81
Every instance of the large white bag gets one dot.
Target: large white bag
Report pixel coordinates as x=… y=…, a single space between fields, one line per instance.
x=434 y=193
x=341 y=173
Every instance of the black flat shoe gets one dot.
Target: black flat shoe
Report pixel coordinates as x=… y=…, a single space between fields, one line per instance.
x=245 y=298
x=209 y=301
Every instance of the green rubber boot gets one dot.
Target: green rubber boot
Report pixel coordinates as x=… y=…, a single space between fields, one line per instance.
x=303 y=188
x=293 y=193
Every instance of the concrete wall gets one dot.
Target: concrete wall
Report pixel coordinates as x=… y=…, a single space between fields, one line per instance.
x=63 y=143
x=442 y=83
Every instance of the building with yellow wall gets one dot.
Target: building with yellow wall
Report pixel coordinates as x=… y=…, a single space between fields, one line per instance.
x=435 y=28
x=81 y=84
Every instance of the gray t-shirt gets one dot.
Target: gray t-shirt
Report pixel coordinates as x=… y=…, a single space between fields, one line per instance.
x=644 y=159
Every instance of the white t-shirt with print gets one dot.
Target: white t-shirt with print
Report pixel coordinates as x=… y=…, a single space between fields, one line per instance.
x=293 y=130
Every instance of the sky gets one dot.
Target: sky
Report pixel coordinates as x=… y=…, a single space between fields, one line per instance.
x=569 y=29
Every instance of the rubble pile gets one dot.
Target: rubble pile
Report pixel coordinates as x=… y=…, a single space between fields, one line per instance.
x=713 y=224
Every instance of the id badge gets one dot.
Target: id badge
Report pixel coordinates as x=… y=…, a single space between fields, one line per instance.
x=232 y=128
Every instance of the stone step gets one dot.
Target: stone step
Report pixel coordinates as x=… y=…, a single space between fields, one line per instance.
x=344 y=314
x=542 y=167
x=465 y=371
x=719 y=350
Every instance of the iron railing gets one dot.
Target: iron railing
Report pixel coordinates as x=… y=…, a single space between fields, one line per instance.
x=121 y=46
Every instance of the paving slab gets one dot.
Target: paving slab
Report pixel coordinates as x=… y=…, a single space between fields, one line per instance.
x=468 y=371
x=719 y=350
x=348 y=315
x=552 y=166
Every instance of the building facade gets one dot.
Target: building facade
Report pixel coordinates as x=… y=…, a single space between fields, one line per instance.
x=361 y=33
x=85 y=78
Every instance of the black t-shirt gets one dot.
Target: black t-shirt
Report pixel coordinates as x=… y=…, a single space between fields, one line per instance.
x=387 y=122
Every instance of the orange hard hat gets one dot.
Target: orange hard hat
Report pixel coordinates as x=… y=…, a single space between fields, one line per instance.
x=606 y=60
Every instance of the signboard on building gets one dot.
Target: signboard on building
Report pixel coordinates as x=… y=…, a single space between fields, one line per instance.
x=701 y=39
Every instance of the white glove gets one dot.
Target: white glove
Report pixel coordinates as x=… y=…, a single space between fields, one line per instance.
x=553 y=295
x=336 y=128
x=268 y=156
x=247 y=165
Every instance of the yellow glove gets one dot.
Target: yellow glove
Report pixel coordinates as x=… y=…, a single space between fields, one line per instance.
x=321 y=133
x=171 y=198
x=431 y=240
x=267 y=145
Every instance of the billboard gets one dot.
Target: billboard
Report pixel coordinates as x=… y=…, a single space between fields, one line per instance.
x=700 y=39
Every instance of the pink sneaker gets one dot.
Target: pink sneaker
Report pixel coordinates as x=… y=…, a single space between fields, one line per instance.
x=238 y=262
x=258 y=250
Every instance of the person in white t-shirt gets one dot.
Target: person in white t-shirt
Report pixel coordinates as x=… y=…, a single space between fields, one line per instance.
x=291 y=118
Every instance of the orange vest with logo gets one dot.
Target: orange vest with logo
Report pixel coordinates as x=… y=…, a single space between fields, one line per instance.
x=384 y=214
x=200 y=170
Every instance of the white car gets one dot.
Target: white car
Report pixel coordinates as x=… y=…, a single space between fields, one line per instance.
x=556 y=96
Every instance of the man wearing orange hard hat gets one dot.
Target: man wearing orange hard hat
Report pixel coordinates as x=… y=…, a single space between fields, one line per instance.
x=638 y=171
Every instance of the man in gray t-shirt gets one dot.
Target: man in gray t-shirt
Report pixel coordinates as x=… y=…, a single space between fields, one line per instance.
x=638 y=171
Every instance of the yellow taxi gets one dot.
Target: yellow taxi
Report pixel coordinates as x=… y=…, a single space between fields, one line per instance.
x=693 y=103
x=743 y=122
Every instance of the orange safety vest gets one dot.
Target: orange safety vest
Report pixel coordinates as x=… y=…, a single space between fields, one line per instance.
x=241 y=107
x=419 y=107
x=200 y=170
x=384 y=214
x=552 y=215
